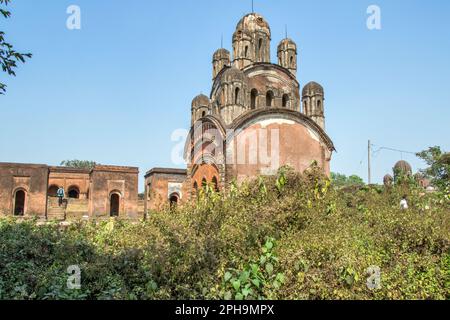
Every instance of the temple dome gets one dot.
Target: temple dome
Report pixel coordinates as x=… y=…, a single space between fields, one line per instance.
x=287 y=44
x=403 y=167
x=252 y=23
x=221 y=54
x=312 y=88
x=200 y=101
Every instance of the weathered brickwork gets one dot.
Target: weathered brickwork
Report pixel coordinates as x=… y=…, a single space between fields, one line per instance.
x=255 y=119
x=23 y=189
x=163 y=186
x=253 y=122
x=29 y=190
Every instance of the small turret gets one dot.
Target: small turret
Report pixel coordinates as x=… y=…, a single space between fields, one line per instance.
x=221 y=59
x=251 y=41
x=287 y=55
x=313 y=99
x=199 y=108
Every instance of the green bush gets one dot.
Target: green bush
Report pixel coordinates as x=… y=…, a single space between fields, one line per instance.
x=286 y=237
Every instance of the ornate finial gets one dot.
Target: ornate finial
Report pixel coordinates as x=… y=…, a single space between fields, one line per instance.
x=221 y=42
x=286 y=31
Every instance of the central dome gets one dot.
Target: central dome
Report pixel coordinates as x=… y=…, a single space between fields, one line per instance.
x=253 y=22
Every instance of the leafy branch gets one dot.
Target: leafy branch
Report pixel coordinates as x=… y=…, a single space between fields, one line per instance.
x=8 y=56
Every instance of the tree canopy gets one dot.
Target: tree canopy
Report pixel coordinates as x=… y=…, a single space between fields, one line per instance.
x=80 y=164
x=341 y=180
x=438 y=166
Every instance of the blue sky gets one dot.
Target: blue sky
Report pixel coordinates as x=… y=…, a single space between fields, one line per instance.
x=115 y=90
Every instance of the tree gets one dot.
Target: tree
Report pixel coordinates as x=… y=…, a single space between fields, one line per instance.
x=79 y=164
x=438 y=166
x=341 y=180
x=8 y=56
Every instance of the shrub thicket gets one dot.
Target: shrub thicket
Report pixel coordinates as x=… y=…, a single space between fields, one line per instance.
x=287 y=237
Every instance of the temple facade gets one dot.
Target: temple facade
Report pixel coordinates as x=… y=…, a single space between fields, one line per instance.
x=256 y=119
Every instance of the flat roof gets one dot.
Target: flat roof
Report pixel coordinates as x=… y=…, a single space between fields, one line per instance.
x=22 y=165
x=166 y=171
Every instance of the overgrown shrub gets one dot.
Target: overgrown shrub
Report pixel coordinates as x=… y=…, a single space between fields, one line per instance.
x=286 y=237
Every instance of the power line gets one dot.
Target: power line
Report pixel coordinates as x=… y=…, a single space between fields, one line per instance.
x=392 y=149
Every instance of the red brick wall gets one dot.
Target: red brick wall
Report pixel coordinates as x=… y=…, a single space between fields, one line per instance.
x=30 y=178
x=106 y=180
x=157 y=189
x=298 y=147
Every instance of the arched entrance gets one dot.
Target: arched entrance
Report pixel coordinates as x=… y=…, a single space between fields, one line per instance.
x=174 y=199
x=114 y=204
x=52 y=191
x=74 y=192
x=19 y=202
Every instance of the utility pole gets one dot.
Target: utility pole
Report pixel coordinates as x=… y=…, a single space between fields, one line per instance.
x=368 y=162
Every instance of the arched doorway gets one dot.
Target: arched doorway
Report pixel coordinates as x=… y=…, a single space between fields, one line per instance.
x=52 y=191
x=74 y=192
x=174 y=199
x=19 y=202
x=114 y=205
x=215 y=184
x=195 y=189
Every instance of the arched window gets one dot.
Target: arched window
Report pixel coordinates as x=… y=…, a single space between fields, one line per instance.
x=291 y=61
x=204 y=183
x=305 y=110
x=246 y=51
x=269 y=98
x=236 y=95
x=319 y=104
x=260 y=54
x=215 y=184
x=114 y=205
x=74 y=192
x=19 y=202
x=195 y=187
x=203 y=114
x=253 y=97
x=52 y=190
x=285 y=100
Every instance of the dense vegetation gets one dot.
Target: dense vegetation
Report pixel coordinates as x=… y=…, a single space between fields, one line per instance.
x=287 y=237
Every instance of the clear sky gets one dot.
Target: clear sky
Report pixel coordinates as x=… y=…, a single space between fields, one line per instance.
x=115 y=90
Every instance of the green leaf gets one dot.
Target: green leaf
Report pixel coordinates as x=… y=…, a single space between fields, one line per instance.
x=256 y=283
x=269 y=268
x=236 y=285
x=244 y=277
x=227 y=276
x=280 y=277
x=228 y=295
x=239 y=296
x=262 y=260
